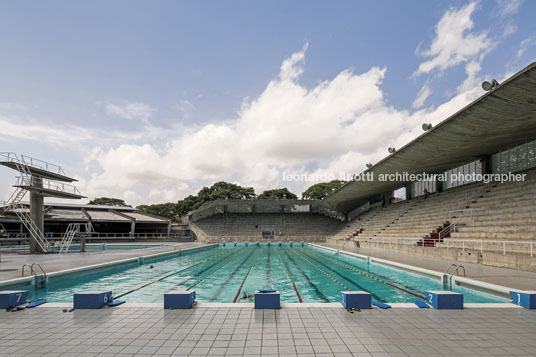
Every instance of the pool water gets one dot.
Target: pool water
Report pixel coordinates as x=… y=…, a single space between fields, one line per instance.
x=221 y=274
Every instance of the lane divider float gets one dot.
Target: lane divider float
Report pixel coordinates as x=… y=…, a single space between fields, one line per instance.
x=375 y=278
x=289 y=276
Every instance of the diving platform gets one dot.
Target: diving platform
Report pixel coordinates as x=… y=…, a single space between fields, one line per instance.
x=35 y=167
x=41 y=179
x=51 y=192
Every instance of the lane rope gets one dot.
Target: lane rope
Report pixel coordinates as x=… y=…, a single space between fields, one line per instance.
x=209 y=275
x=289 y=276
x=323 y=272
x=374 y=277
x=244 y=280
x=169 y=275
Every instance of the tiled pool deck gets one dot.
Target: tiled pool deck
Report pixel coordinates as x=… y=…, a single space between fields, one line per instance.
x=291 y=331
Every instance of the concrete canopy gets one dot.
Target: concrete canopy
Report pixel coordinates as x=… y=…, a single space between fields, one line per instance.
x=502 y=117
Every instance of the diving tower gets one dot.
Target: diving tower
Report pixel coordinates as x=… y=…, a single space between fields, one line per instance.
x=41 y=179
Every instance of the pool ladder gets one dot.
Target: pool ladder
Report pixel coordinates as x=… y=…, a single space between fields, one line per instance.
x=456 y=271
x=40 y=279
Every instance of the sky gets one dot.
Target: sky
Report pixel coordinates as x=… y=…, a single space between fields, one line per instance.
x=150 y=101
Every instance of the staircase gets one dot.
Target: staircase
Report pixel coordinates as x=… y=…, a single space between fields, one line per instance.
x=14 y=205
x=72 y=230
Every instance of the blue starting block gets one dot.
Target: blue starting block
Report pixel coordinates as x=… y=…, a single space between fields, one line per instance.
x=12 y=298
x=92 y=299
x=444 y=299
x=356 y=300
x=526 y=299
x=179 y=299
x=270 y=299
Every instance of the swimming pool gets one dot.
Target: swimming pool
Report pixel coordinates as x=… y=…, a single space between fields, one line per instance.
x=225 y=273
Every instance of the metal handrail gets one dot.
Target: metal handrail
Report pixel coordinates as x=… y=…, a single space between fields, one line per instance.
x=50 y=185
x=32 y=162
x=32 y=271
x=481 y=243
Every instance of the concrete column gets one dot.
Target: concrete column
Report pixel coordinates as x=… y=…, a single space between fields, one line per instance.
x=168 y=228
x=486 y=165
x=36 y=213
x=132 y=228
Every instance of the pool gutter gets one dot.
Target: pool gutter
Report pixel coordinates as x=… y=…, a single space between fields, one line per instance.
x=30 y=280
x=494 y=289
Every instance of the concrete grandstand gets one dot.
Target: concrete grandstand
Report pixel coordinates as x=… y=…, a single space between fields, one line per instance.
x=479 y=209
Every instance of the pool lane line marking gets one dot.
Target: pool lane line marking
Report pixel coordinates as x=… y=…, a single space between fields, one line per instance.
x=205 y=269
x=374 y=278
x=334 y=271
x=268 y=284
x=209 y=275
x=232 y=274
x=323 y=272
x=289 y=276
x=244 y=280
x=167 y=276
x=318 y=292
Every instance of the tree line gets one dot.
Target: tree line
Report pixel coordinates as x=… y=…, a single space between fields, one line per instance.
x=222 y=191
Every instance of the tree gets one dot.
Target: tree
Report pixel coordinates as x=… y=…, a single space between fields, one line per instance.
x=106 y=201
x=218 y=191
x=225 y=191
x=322 y=190
x=278 y=194
x=167 y=210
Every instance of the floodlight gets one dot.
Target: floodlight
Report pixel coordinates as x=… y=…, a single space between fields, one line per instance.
x=487 y=86
x=391 y=150
x=369 y=166
x=426 y=126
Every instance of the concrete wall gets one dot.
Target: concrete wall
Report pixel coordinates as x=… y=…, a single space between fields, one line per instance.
x=509 y=260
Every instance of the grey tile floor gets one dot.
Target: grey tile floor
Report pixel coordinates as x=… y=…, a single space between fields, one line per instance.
x=243 y=331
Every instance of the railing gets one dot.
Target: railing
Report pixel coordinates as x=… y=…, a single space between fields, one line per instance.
x=488 y=245
x=50 y=185
x=32 y=162
x=276 y=239
x=453 y=227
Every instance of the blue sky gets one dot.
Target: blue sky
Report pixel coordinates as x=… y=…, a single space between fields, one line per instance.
x=149 y=101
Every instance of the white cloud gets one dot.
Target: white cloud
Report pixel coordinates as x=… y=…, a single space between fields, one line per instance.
x=423 y=94
x=508 y=7
x=526 y=44
x=131 y=111
x=454 y=42
x=336 y=126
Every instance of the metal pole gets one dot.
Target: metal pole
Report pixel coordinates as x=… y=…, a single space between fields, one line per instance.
x=504 y=247
x=481 y=249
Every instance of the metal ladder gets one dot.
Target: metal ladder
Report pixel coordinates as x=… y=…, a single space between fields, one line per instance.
x=14 y=205
x=455 y=272
x=43 y=280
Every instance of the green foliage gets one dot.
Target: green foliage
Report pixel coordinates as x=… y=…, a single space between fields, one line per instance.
x=218 y=191
x=278 y=194
x=225 y=191
x=168 y=210
x=322 y=190
x=106 y=201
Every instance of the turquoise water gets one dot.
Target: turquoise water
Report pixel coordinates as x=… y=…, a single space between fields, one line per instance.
x=217 y=275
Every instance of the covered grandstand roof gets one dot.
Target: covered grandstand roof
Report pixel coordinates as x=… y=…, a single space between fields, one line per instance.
x=261 y=206
x=502 y=117
x=75 y=212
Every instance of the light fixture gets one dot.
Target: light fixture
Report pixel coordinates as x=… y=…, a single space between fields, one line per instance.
x=369 y=166
x=391 y=150
x=487 y=86
x=426 y=126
